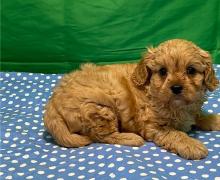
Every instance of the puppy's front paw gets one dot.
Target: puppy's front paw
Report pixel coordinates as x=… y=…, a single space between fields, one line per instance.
x=209 y=122
x=192 y=149
x=215 y=124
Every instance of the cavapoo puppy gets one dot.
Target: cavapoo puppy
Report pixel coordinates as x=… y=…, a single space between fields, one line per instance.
x=158 y=100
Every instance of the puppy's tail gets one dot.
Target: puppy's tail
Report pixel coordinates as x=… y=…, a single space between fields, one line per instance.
x=58 y=129
x=64 y=138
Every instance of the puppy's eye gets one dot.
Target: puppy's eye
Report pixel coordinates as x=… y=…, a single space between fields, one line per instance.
x=191 y=70
x=163 y=72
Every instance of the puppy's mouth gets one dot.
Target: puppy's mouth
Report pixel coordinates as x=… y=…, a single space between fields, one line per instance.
x=179 y=101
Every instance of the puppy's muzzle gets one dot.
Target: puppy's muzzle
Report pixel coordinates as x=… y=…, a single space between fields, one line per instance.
x=176 y=89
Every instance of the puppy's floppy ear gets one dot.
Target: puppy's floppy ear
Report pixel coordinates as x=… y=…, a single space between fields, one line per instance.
x=142 y=72
x=211 y=82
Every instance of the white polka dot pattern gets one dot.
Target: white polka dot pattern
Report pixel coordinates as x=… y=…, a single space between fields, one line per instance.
x=29 y=152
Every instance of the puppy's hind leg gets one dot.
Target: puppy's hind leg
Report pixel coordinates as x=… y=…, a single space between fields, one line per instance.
x=127 y=139
x=102 y=122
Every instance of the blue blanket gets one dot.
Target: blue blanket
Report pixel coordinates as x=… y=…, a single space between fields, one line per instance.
x=29 y=152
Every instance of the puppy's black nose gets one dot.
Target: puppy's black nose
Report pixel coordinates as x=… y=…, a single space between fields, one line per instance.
x=176 y=89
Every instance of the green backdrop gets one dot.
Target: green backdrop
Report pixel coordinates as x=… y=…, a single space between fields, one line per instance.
x=55 y=36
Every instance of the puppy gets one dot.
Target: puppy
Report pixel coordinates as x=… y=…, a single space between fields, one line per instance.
x=158 y=100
